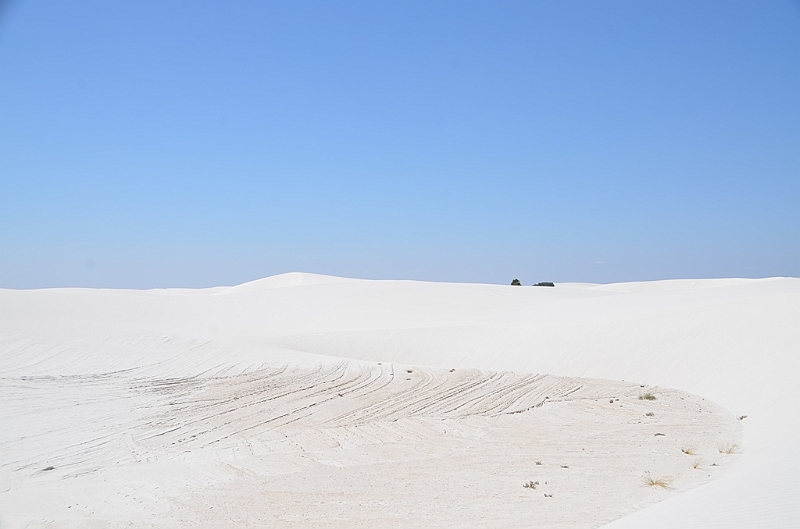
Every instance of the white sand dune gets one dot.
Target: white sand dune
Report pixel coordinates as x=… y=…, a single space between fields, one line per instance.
x=310 y=401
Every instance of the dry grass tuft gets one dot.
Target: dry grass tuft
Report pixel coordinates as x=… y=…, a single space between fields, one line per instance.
x=661 y=482
x=696 y=463
x=647 y=396
x=689 y=450
x=531 y=484
x=729 y=448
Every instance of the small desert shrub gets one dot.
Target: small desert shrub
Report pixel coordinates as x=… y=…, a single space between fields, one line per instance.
x=538 y=462
x=696 y=463
x=531 y=484
x=728 y=448
x=689 y=450
x=663 y=482
x=545 y=284
x=647 y=396
x=515 y=283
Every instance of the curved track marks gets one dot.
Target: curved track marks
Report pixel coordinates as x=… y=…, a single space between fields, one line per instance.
x=257 y=447
x=205 y=412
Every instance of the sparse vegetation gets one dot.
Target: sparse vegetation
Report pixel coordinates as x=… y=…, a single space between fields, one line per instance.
x=696 y=463
x=538 y=462
x=661 y=482
x=650 y=414
x=647 y=396
x=515 y=283
x=531 y=484
x=689 y=450
x=728 y=448
x=545 y=284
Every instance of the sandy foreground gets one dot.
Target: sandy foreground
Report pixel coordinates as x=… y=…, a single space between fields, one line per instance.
x=312 y=401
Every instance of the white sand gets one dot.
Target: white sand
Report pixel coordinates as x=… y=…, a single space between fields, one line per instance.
x=287 y=402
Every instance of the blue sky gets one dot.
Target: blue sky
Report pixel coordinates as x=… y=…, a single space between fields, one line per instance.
x=149 y=144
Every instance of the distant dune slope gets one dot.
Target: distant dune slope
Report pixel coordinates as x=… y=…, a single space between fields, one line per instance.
x=73 y=360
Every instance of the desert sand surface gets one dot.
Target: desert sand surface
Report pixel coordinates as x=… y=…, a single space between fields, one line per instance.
x=302 y=400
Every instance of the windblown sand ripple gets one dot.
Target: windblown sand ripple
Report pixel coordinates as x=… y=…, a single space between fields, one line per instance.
x=350 y=445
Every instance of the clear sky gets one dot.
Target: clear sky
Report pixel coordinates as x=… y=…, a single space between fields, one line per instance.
x=149 y=144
